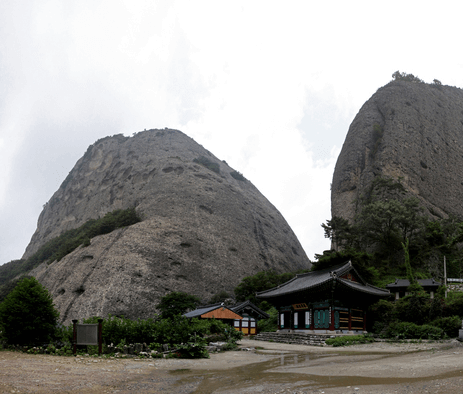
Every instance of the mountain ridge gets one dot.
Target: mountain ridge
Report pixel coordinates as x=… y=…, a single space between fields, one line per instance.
x=204 y=227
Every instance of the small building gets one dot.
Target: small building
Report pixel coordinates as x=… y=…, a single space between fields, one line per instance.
x=215 y=311
x=400 y=286
x=243 y=317
x=331 y=300
x=251 y=315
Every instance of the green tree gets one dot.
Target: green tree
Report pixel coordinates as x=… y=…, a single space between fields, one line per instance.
x=27 y=315
x=401 y=76
x=386 y=218
x=339 y=231
x=177 y=303
x=221 y=296
x=264 y=280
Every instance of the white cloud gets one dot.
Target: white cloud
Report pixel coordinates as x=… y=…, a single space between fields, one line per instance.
x=270 y=87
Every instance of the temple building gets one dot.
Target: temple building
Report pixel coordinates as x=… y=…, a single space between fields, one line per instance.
x=400 y=286
x=331 y=300
x=251 y=315
x=243 y=316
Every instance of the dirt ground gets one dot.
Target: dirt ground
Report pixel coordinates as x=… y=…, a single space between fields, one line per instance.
x=259 y=367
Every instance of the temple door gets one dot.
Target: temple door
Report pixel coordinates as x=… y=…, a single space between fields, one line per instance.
x=321 y=319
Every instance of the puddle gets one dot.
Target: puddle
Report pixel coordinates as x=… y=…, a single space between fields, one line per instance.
x=180 y=371
x=259 y=376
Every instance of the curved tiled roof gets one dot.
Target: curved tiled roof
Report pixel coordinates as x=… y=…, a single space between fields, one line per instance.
x=238 y=308
x=405 y=283
x=314 y=279
x=365 y=288
x=203 y=309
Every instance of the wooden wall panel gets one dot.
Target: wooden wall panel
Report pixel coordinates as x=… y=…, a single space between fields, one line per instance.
x=221 y=313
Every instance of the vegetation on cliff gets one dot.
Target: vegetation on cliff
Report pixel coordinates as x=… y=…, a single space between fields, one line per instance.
x=58 y=247
x=387 y=220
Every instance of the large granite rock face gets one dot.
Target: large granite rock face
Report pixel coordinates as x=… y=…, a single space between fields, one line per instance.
x=418 y=137
x=203 y=230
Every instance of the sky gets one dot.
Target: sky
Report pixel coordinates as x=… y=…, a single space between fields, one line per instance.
x=270 y=87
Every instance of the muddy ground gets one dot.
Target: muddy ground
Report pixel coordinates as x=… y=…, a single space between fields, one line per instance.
x=269 y=368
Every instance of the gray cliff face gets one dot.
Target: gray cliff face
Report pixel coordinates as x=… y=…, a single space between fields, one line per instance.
x=201 y=233
x=421 y=142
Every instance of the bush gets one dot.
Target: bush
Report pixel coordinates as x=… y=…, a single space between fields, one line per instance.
x=450 y=325
x=209 y=164
x=27 y=315
x=349 y=340
x=270 y=324
x=381 y=312
x=238 y=176
x=413 y=308
x=406 y=330
x=454 y=305
x=119 y=329
x=436 y=309
x=173 y=331
x=193 y=350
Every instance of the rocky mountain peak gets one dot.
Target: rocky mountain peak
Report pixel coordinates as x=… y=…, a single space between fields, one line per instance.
x=409 y=131
x=204 y=227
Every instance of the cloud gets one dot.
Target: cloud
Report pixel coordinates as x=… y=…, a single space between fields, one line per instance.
x=270 y=88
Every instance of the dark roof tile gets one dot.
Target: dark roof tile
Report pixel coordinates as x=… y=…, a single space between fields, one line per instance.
x=315 y=279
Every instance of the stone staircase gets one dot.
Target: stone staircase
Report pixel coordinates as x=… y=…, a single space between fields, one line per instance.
x=294 y=338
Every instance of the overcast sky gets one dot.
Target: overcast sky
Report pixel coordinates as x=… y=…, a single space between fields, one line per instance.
x=269 y=86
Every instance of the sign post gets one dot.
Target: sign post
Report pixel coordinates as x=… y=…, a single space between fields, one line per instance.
x=88 y=334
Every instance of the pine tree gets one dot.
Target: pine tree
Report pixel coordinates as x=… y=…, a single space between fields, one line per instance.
x=27 y=315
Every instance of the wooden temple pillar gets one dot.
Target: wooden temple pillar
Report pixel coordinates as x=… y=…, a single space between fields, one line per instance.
x=331 y=328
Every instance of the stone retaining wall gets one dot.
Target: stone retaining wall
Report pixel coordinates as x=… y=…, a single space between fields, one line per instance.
x=294 y=338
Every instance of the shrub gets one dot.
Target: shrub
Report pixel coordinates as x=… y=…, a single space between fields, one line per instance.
x=381 y=312
x=209 y=164
x=450 y=325
x=349 y=340
x=436 y=309
x=193 y=350
x=406 y=330
x=270 y=324
x=238 y=176
x=454 y=305
x=118 y=330
x=173 y=331
x=413 y=308
x=27 y=315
